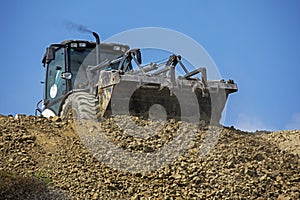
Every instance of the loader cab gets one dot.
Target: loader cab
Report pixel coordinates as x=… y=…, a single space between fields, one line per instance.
x=65 y=65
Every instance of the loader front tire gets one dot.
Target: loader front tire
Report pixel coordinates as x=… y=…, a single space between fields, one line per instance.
x=80 y=105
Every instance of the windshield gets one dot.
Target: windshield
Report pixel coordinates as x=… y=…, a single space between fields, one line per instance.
x=80 y=59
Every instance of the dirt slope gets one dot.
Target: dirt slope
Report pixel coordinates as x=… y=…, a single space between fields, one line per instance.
x=45 y=159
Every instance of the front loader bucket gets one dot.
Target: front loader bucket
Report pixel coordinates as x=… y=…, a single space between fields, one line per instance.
x=152 y=97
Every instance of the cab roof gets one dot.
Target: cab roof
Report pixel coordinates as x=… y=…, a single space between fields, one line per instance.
x=106 y=47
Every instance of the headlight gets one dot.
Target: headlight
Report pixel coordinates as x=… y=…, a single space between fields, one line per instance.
x=74 y=45
x=82 y=44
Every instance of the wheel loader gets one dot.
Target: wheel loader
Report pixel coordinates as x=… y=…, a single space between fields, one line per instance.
x=93 y=80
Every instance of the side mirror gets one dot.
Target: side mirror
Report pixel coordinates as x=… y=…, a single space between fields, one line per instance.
x=50 y=54
x=66 y=75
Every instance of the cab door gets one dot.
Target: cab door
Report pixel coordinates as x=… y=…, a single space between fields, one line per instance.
x=56 y=86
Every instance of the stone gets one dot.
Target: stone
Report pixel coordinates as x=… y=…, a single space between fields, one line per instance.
x=95 y=196
x=56 y=119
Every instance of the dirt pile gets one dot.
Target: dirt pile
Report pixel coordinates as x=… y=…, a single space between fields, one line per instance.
x=48 y=159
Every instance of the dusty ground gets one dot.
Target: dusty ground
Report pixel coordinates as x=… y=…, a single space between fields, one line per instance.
x=45 y=159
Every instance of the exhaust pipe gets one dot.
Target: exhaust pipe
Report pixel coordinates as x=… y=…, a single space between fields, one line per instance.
x=97 y=47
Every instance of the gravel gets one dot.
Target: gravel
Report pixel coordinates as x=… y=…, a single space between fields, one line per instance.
x=48 y=159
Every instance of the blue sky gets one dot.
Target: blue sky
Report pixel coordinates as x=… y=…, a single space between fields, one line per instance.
x=256 y=43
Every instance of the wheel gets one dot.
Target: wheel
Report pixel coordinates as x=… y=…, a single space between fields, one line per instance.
x=80 y=105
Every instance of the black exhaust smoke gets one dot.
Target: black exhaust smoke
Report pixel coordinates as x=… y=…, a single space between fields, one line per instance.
x=78 y=27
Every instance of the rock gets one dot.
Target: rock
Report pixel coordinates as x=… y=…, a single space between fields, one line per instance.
x=56 y=119
x=20 y=116
x=177 y=176
x=283 y=197
x=258 y=156
x=95 y=196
